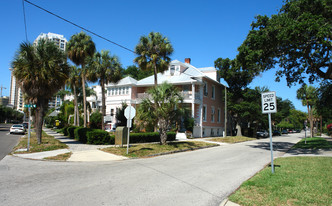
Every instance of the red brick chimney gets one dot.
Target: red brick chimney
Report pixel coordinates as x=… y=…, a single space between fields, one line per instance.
x=187 y=60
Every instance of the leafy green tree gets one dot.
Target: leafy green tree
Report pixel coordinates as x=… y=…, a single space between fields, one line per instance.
x=134 y=72
x=324 y=101
x=297 y=39
x=79 y=48
x=297 y=118
x=104 y=68
x=162 y=105
x=95 y=120
x=41 y=71
x=238 y=77
x=154 y=53
x=308 y=95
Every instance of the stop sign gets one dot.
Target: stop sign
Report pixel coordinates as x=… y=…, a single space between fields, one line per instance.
x=130 y=112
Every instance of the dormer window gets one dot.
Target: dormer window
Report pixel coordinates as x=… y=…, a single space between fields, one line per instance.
x=172 y=70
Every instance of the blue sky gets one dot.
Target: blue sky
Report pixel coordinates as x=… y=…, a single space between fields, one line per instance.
x=200 y=30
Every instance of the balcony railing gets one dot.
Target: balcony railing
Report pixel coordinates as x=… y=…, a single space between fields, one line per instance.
x=187 y=95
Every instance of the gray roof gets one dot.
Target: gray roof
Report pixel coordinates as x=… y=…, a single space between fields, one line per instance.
x=125 y=81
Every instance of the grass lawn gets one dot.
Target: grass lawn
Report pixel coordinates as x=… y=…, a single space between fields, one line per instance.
x=298 y=181
x=48 y=143
x=314 y=143
x=60 y=157
x=145 y=150
x=232 y=139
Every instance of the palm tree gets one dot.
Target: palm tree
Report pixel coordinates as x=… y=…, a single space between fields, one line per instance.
x=41 y=72
x=163 y=104
x=73 y=83
x=79 y=47
x=104 y=68
x=308 y=95
x=154 y=51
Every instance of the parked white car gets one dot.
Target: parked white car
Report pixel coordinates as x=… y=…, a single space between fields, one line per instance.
x=17 y=129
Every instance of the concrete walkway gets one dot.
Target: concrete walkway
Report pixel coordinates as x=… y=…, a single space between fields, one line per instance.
x=80 y=152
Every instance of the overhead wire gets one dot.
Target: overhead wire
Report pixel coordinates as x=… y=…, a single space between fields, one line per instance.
x=81 y=27
x=25 y=23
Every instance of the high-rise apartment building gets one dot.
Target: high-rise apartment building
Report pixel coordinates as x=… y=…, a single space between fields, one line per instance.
x=16 y=94
x=58 y=39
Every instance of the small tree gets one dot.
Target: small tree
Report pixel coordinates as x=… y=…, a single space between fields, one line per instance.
x=162 y=105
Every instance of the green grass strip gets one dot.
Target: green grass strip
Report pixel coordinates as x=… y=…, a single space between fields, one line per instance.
x=314 y=143
x=298 y=181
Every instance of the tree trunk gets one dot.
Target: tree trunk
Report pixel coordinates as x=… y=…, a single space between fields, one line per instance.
x=75 y=107
x=311 y=123
x=162 y=131
x=84 y=97
x=39 y=117
x=308 y=115
x=103 y=109
x=238 y=128
x=155 y=75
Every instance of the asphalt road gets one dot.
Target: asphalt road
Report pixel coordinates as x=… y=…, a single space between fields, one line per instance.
x=202 y=177
x=7 y=141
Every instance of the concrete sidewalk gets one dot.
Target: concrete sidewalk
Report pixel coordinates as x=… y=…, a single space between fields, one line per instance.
x=80 y=152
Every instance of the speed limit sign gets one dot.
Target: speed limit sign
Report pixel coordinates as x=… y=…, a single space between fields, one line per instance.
x=269 y=102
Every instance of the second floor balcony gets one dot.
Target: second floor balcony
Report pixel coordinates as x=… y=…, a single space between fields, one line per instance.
x=187 y=95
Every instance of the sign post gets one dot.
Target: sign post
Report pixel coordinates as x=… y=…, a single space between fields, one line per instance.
x=269 y=105
x=129 y=113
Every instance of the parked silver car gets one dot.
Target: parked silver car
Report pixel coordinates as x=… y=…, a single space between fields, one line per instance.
x=262 y=133
x=17 y=129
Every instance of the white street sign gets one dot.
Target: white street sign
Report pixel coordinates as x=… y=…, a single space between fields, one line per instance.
x=269 y=102
x=130 y=112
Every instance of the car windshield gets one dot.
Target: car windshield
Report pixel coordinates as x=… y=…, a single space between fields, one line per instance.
x=17 y=125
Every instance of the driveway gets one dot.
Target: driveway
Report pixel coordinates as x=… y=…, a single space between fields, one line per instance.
x=202 y=177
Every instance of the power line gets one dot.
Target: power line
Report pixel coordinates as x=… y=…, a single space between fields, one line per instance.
x=70 y=22
x=25 y=23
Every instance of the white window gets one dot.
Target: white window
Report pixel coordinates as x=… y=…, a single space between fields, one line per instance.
x=205 y=89
x=127 y=90
x=112 y=91
x=213 y=92
x=212 y=114
x=204 y=113
x=218 y=115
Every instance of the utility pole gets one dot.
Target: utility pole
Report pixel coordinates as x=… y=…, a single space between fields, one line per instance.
x=1 y=90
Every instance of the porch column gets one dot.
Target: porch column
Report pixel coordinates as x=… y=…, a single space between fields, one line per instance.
x=193 y=100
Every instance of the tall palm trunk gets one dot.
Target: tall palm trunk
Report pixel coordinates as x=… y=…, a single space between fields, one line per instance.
x=76 y=116
x=103 y=107
x=311 y=122
x=84 y=96
x=309 y=116
x=39 y=114
x=155 y=75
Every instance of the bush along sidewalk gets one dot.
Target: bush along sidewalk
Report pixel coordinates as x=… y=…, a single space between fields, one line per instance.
x=100 y=137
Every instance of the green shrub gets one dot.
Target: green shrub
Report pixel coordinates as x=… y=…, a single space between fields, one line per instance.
x=150 y=137
x=65 y=131
x=80 y=134
x=95 y=120
x=98 y=137
x=70 y=131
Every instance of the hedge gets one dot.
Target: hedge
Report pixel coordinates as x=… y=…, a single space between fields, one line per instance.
x=98 y=136
x=80 y=134
x=64 y=131
x=70 y=131
x=150 y=137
